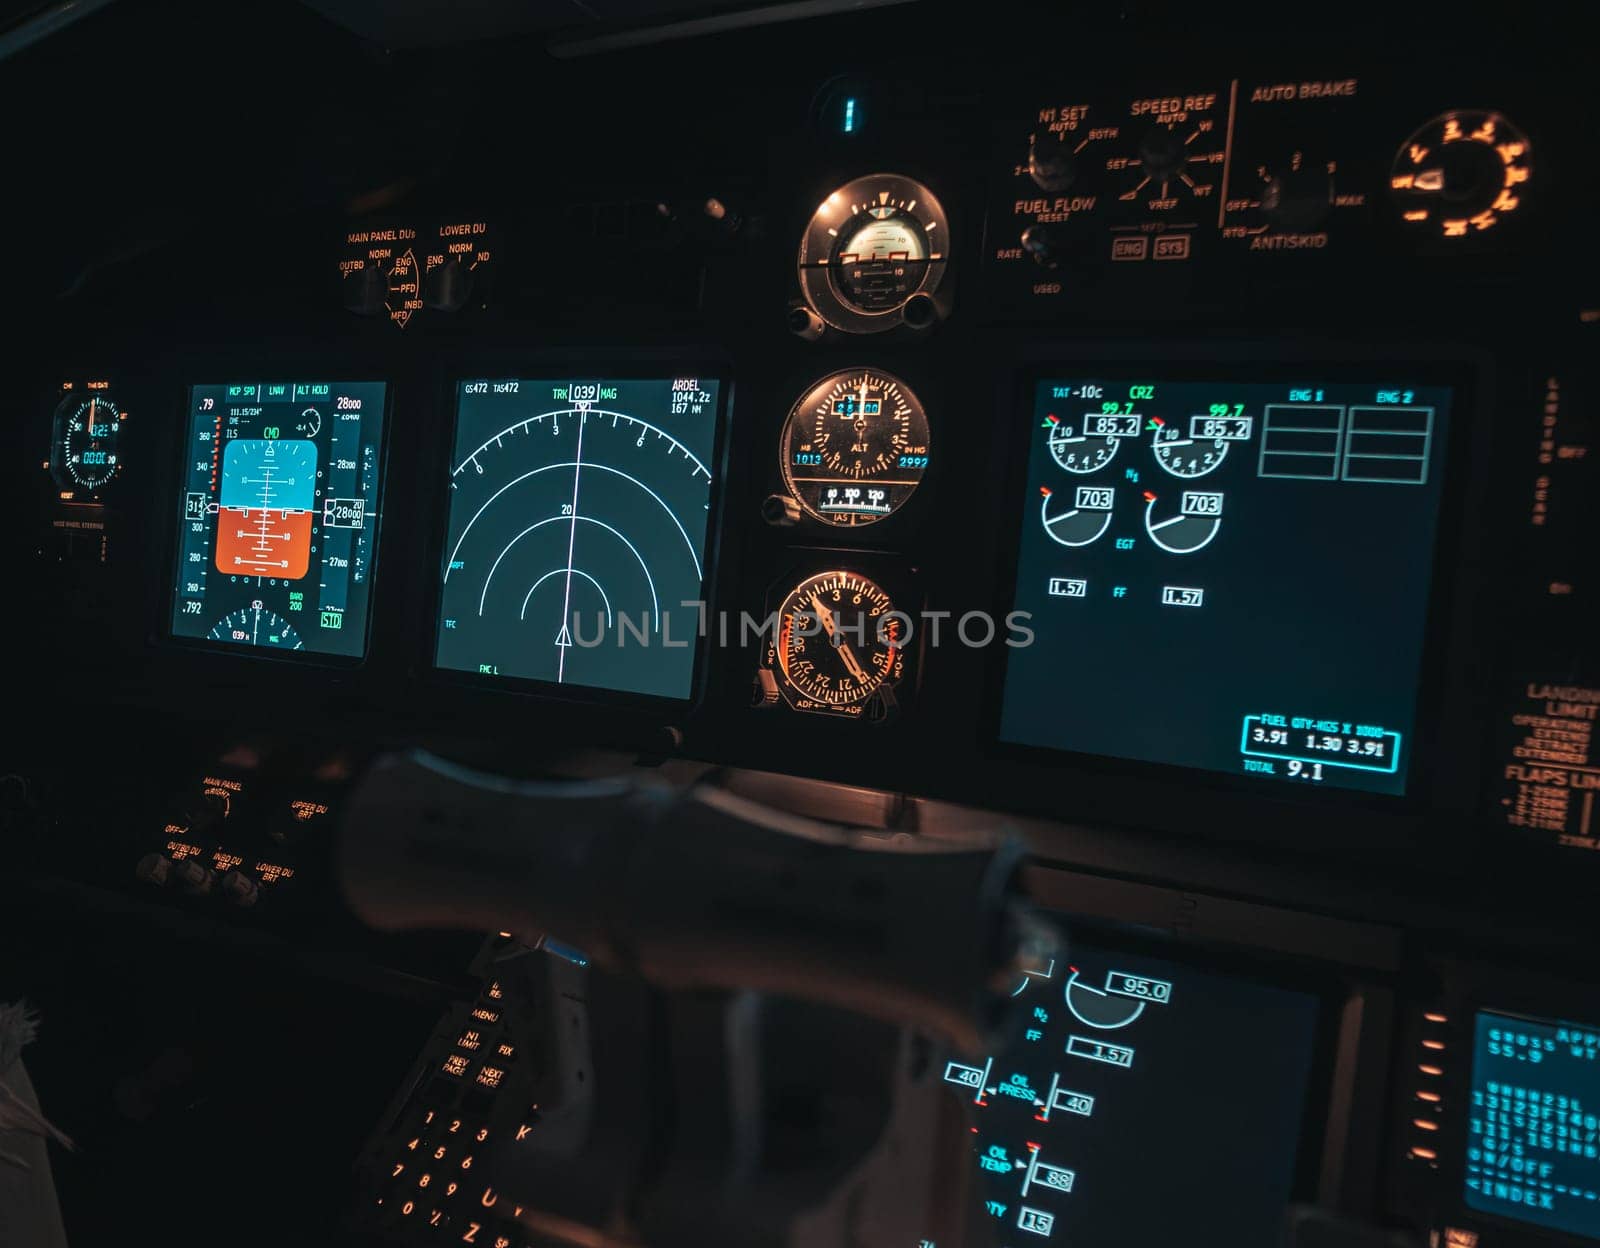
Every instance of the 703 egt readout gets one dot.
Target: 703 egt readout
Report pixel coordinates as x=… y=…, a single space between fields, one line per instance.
x=1229 y=574
x=282 y=486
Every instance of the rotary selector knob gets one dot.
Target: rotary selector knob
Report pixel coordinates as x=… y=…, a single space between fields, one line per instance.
x=1163 y=154
x=192 y=877
x=240 y=889
x=365 y=291
x=1298 y=198
x=154 y=869
x=201 y=812
x=1044 y=244
x=447 y=286
x=1051 y=165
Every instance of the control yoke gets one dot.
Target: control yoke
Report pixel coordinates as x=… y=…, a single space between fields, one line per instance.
x=749 y=1057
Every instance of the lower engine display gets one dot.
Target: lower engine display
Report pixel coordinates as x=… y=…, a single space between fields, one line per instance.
x=579 y=513
x=1128 y=1109
x=1229 y=574
x=282 y=489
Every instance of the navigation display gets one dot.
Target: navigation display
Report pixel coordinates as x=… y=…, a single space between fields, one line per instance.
x=1141 y=1102
x=1228 y=574
x=1532 y=1131
x=578 y=519
x=283 y=482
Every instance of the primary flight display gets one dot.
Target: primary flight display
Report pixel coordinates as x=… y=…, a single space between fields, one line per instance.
x=577 y=532
x=283 y=483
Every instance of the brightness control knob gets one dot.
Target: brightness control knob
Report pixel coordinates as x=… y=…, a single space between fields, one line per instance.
x=154 y=869
x=240 y=888
x=201 y=812
x=192 y=877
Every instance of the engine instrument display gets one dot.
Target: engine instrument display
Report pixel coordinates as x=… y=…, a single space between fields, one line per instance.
x=579 y=514
x=869 y=248
x=1069 y=1143
x=839 y=647
x=84 y=441
x=855 y=447
x=1530 y=1147
x=1231 y=575
x=283 y=485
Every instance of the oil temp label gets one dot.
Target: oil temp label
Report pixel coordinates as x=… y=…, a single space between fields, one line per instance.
x=1549 y=772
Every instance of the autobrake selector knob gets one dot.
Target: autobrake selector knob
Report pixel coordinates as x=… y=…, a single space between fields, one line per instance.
x=1299 y=197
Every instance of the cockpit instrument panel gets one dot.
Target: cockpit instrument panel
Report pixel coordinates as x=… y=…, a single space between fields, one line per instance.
x=1230 y=574
x=283 y=485
x=579 y=515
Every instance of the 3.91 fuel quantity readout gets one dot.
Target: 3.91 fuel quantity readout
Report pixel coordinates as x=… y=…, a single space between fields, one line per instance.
x=282 y=486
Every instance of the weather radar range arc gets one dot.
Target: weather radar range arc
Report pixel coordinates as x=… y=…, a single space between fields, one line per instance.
x=573 y=522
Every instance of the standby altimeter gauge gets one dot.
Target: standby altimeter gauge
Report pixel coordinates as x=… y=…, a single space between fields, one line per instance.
x=855 y=447
x=873 y=247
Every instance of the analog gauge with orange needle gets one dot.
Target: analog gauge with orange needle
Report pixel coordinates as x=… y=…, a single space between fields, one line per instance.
x=839 y=647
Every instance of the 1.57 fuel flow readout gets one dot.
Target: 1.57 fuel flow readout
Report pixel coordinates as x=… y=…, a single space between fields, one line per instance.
x=282 y=486
x=1230 y=573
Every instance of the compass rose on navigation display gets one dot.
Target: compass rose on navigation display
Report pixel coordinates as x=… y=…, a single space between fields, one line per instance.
x=578 y=521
